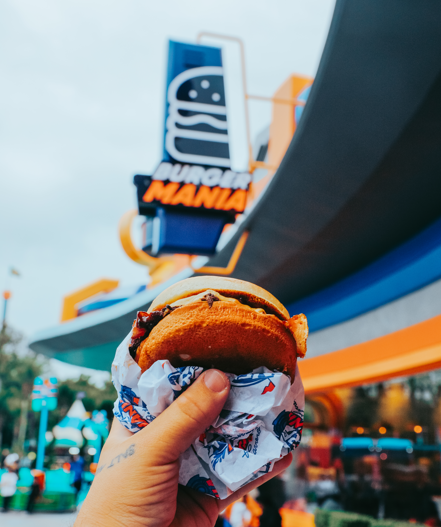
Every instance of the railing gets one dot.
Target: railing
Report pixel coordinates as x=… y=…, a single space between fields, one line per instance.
x=252 y=163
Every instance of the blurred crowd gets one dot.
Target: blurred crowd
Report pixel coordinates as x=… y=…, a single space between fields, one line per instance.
x=10 y=480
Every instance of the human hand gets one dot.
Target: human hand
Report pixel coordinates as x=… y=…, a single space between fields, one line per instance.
x=136 y=483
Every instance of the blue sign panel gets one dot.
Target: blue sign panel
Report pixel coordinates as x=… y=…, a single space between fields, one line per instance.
x=196 y=115
x=193 y=193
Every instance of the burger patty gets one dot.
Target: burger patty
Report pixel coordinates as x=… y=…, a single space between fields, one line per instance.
x=145 y=322
x=229 y=336
x=143 y=326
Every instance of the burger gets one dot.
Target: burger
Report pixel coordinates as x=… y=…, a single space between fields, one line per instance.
x=222 y=323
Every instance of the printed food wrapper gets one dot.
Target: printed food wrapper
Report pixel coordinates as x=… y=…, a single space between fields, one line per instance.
x=260 y=423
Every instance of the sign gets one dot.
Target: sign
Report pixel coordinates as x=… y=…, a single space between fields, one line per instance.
x=193 y=187
x=44 y=393
x=193 y=193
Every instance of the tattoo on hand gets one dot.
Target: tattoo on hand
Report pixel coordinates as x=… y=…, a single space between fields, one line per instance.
x=129 y=452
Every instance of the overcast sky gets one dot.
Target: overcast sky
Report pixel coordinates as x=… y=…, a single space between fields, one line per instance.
x=81 y=112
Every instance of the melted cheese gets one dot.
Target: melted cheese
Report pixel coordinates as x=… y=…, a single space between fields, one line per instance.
x=200 y=298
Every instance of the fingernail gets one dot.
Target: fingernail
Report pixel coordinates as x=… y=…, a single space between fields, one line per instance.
x=215 y=381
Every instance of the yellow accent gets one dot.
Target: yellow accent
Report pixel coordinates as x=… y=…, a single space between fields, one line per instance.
x=135 y=254
x=160 y=269
x=411 y=363
x=283 y=124
x=409 y=351
x=231 y=264
x=168 y=268
x=279 y=100
x=292 y=518
x=70 y=302
x=284 y=102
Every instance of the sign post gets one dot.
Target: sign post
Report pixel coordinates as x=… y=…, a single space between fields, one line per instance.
x=101 y=423
x=44 y=398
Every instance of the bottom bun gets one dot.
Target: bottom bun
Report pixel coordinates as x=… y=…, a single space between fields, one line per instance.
x=231 y=337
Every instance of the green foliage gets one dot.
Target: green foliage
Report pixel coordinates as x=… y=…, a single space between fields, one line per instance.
x=94 y=398
x=344 y=519
x=18 y=369
x=322 y=518
x=325 y=518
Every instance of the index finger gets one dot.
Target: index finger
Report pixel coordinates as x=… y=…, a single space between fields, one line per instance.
x=188 y=417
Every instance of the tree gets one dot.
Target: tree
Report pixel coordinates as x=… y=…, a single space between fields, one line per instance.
x=18 y=369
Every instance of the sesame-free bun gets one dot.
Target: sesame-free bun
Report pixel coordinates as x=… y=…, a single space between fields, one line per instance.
x=234 y=337
x=254 y=295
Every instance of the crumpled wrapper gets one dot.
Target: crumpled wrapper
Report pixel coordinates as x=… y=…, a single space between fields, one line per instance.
x=260 y=423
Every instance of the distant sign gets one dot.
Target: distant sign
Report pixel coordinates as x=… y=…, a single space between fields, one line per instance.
x=44 y=393
x=193 y=187
x=193 y=193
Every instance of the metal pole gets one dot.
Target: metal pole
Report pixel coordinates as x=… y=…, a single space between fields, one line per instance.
x=6 y=297
x=96 y=457
x=244 y=84
x=23 y=423
x=42 y=435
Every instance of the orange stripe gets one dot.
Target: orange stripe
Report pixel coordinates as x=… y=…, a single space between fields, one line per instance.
x=411 y=350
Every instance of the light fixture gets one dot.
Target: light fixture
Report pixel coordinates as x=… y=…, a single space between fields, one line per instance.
x=74 y=450
x=418 y=429
x=360 y=430
x=382 y=430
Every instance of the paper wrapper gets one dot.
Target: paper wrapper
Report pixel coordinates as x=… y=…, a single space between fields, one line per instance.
x=260 y=423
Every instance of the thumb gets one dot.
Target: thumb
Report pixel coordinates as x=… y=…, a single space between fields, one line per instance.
x=189 y=416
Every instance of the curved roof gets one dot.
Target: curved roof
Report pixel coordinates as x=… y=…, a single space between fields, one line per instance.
x=361 y=174
x=350 y=220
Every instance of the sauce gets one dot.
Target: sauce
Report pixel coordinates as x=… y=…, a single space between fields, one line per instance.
x=201 y=298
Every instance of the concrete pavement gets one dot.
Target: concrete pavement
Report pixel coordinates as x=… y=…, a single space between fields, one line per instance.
x=22 y=519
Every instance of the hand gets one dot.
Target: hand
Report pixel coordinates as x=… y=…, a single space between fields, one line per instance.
x=137 y=479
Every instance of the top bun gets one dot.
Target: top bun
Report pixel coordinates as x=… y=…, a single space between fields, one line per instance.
x=255 y=296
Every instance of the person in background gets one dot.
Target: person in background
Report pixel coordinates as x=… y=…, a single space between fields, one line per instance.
x=271 y=498
x=5 y=452
x=37 y=489
x=77 y=468
x=8 y=481
x=243 y=513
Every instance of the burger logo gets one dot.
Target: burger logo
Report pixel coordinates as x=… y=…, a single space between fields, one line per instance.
x=204 y=485
x=288 y=428
x=128 y=404
x=251 y=379
x=217 y=452
x=196 y=127
x=182 y=378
